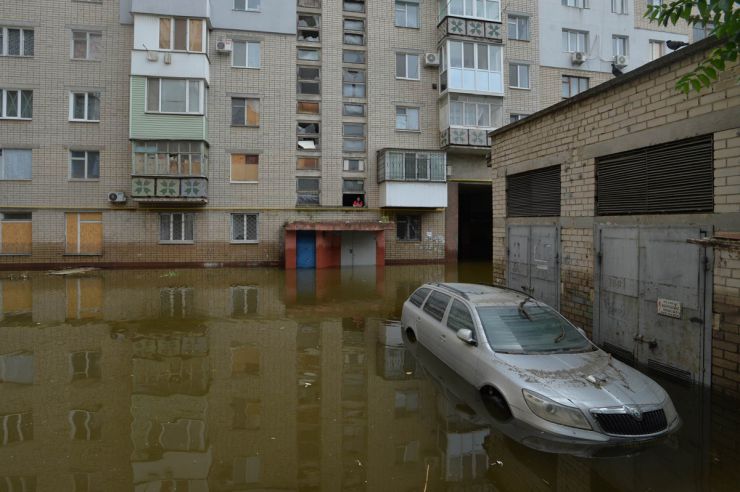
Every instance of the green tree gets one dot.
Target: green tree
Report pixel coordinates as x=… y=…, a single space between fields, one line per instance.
x=723 y=15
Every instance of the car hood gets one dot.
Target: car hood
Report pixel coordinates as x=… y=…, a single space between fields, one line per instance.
x=588 y=380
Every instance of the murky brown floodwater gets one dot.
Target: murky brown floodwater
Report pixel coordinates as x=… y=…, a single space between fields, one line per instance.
x=210 y=380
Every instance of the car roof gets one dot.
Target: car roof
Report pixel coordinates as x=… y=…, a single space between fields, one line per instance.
x=482 y=295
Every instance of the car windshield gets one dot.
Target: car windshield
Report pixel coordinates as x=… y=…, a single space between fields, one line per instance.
x=530 y=329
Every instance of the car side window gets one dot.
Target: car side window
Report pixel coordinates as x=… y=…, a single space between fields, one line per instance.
x=459 y=317
x=436 y=305
x=417 y=298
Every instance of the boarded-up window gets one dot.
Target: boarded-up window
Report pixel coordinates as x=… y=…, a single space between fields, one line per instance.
x=308 y=163
x=245 y=111
x=673 y=177
x=245 y=360
x=15 y=233
x=534 y=193
x=84 y=233
x=84 y=298
x=165 y=33
x=308 y=107
x=244 y=167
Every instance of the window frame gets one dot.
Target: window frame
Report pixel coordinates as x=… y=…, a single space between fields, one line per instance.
x=402 y=6
x=514 y=117
x=464 y=113
x=185 y=217
x=354 y=32
x=246 y=6
x=246 y=156
x=621 y=7
x=18 y=218
x=353 y=137
x=566 y=37
x=256 y=228
x=302 y=82
x=311 y=193
x=246 y=100
x=346 y=166
x=86 y=119
x=78 y=216
x=247 y=43
x=494 y=67
x=354 y=2
x=578 y=4
x=3 y=167
x=652 y=43
x=87 y=161
x=204 y=34
x=517 y=18
x=408 y=223
x=4 y=42
x=354 y=84
x=87 y=34
x=616 y=39
x=418 y=118
x=406 y=56
x=20 y=94
x=519 y=66
x=308 y=49
x=570 y=79
x=301 y=38
x=463 y=5
x=201 y=101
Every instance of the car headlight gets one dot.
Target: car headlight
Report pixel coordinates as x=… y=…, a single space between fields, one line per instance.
x=552 y=411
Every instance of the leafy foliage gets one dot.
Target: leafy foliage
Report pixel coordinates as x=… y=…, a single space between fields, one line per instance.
x=723 y=15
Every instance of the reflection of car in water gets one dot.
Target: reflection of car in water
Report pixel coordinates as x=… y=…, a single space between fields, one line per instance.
x=531 y=364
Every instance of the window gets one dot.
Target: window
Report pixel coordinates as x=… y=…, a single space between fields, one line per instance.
x=436 y=305
x=353 y=83
x=16 y=104
x=308 y=28
x=575 y=41
x=518 y=27
x=580 y=4
x=473 y=66
x=354 y=5
x=182 y=34
x=16 y=233
x=354 y=165
x=412 y=166
x=483 y=9
x=311 y=4
x=655 y=2
x=246 y=54
x=354 y=137
x=244 y=168
x=408 y=227
x=407 y=66
x=243 y=228
x=353 y=193
x=308 y=107
x=170 y=158
x=657 y=49
x=86 y=45
x=15 y=164
x=84 y=164
x=307 y=163
x=353 y=109
x=16 y=427
x=459 y=317
x=619 y=6
x=407 y=14
x=309 y=80
x=407 y=118
x=16 y=41
x=84 y=106
x=619 y=45
x=417 y=298
x=308 y=135
x=85 y=365
x=519 y=75
x=516 y=117
x=176 y=227
x=473 y=114
x=574 y=85
x=354 y=31
x=84 y=233
x=84 y=425
x=701 y=30
x=245 y=111
x=247 y=5
x=309 y=54
x=307 y=191
x=174 y=96
x=351 y=56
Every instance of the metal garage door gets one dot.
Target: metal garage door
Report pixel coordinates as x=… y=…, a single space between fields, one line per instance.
x=651 y=292
x=534 y=261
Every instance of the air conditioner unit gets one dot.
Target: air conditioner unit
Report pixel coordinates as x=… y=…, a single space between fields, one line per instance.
x=117 y=197
x=621 y=61
x=578 y=57
x=225 y=46
x=431 y=59
x=167 y=58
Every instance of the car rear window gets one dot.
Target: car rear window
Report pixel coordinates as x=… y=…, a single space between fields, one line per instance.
x=418 y=297
x=436 y=305
x=459 y=317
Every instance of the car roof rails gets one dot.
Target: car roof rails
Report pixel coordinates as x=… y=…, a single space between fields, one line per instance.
x=466 y=296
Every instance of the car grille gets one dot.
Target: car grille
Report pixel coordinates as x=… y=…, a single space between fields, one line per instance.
x=624 y=424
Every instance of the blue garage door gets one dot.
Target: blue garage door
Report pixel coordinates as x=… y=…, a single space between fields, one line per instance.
x=306 y=249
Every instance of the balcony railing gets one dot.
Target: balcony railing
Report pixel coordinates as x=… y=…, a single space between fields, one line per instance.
x=170 y=189
x=474 y=28
x=466 y=137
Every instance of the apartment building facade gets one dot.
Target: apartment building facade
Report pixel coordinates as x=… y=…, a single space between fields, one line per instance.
x=307 y=133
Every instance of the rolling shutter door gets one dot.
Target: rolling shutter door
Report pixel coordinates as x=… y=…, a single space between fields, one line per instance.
x=534 y=193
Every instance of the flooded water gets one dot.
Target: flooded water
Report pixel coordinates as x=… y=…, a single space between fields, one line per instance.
x=261 y=379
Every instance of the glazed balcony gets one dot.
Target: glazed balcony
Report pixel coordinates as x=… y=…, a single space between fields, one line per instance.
x=170 y=173
x=465 y=121
x=412 y=178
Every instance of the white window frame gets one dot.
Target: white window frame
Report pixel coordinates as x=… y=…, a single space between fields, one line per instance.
x=247 y=7
x=459 y=8
x=620 y=7
x=22 y=44
x=518 y=67
x=570 y=79
x=418 y=118
x=2 y=165
x=474 y=72
x=4 y=104
x=661 y=48
x=255 y=240
x=466 y=105
x=249 y=64
x=655 y=2
x=518 y=35
x=87 y=163
x=402 y=6
x=513 y=117
x=87 y=44
x=616 y=40
x=578 y=4
x=361 y=165
x=201 y=100
x=571 y=35
x=184 y=240
x=407 y=65
x=86 y=119
x=204 y=34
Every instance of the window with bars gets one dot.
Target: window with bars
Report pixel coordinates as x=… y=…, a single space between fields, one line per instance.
x=246 y=54
x=245 y=111
x=308 y=191
x=309 y=28
x=408 y=227
x=16 y=41
x=84 y=164
x=87 y=45
x=176 y=228
x=16 y=104
x=353 y=83
x=244 y=228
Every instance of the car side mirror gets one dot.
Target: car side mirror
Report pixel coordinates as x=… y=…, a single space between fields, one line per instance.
x=466 y=336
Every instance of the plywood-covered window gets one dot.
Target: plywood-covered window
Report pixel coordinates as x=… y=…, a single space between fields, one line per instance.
x=84 y=233
x=84 y=298
x=15 y=233
x=245 y=111
x=244 y=168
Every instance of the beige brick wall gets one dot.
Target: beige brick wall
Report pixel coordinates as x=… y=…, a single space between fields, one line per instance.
x=641 y=22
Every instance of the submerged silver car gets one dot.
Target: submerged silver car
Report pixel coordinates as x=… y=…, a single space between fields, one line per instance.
x=535 y=365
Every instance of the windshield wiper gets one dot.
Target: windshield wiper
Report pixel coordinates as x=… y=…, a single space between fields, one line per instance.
x=522 y=312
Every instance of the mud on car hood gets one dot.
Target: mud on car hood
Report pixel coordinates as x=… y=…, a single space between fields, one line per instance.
x=587 y=380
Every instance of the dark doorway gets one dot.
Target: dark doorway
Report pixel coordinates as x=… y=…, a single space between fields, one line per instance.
x=475 y=221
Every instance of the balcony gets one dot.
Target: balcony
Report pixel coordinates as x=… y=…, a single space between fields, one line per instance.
x=178 y=8
x=412 y=178
x=471 y=138
x=170 y=190
x=170 y=172
x=473 y=28
x=171 y=64
x=465 y=121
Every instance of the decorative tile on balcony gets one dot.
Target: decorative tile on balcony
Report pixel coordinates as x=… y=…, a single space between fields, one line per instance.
x=455 y=26
x=168 y=187
x=477 y=137
x=444 y=137
x=493 y=30
x=458 y=136
x=475 y=28
x=194 y=188
x=142 y=187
